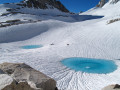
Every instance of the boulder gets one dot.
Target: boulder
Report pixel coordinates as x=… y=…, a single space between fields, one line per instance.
x=5 y=80
x=19 y=86
x=27 y=76
x=112 y=87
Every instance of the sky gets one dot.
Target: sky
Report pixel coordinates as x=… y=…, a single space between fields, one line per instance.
x=79 y=5
x=72 y=5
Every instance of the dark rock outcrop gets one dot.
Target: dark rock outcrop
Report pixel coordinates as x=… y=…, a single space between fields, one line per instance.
x=112 y=87
x=101 y=3
x=27 y=77
x=44 y=4
x=19 y=86
x=113 y=20
x=1 y=71
x=114 y=1
x=117 y=86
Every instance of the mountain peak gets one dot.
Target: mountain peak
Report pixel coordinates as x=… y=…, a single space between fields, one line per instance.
x=45 y=4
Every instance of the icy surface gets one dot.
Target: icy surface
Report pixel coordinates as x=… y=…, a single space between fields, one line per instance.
x=63 y=37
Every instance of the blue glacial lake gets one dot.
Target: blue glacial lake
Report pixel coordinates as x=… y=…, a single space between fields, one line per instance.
x=31 y=46
x=88 y=65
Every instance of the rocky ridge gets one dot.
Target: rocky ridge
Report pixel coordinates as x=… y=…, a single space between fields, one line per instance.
x=103 y=2
x=44 y=4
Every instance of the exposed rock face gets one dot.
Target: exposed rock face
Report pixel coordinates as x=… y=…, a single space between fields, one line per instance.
x=102 y=3
x=26 y=76
x=112 y=87
x=114 y=1
x=44 y=4
x=1 y=71
x=19 y=86
x=113 y=20
x=5 y=80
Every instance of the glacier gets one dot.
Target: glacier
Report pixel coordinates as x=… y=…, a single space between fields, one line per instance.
x=63 y=35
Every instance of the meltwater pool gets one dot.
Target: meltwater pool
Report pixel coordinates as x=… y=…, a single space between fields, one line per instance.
x=31 y=46
x=99 y=66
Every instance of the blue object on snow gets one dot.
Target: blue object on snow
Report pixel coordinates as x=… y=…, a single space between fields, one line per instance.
x=99 y=66
x=31 y=46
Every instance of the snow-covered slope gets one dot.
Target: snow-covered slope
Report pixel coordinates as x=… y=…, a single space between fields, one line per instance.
x=110 y=9
x=88 y=36
x=8 y=10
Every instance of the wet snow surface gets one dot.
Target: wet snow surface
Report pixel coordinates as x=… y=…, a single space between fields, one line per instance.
x=63 y=37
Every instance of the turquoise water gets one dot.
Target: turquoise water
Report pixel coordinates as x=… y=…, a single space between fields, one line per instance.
x=31 y=46
x=87 y=65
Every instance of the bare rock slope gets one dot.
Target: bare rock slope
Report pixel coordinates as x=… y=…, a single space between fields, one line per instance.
x=44 y=4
